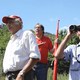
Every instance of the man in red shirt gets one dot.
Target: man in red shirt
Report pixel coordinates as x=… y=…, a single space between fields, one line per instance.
x=45 y=46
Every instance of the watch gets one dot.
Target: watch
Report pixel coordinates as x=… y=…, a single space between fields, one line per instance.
x=21 y=73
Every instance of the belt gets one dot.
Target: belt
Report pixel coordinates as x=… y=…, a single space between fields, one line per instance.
x=12 y=72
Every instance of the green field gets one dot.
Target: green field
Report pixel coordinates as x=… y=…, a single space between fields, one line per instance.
x=63 y=76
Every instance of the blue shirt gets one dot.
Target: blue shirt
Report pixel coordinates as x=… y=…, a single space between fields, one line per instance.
x=70 y=54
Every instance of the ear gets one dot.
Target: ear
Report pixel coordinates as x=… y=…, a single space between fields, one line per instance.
x=18 y=20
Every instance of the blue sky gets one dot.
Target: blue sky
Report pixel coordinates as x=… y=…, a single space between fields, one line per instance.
x=46 y=12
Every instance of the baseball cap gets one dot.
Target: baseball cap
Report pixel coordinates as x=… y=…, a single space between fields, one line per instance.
x=6 y=18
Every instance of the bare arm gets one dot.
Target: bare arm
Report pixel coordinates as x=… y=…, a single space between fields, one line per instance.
x=53 y=49
x=29 y=65
x=59 y=53
x=26 y=68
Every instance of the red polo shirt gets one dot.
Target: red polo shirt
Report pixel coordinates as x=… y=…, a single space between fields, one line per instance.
x=44 y=45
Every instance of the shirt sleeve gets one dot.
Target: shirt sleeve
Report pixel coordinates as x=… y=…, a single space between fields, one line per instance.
x=34 y=51
x=68 y=53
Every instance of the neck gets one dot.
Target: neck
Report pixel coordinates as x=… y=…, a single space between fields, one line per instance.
x=39 y=36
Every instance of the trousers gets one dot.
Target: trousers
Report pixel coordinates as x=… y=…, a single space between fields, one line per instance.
x=13 y=75
x=40 y=71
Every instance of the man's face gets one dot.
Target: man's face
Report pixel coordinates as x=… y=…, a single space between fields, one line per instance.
x=38 y=30
x=13 y=26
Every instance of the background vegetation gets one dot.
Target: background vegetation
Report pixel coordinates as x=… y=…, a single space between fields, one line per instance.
x=62 y=66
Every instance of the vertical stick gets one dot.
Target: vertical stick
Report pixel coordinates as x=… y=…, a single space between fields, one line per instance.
x=55 y=61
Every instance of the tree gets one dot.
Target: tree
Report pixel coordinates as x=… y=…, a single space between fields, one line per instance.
x=4 y=36
x=74 y=39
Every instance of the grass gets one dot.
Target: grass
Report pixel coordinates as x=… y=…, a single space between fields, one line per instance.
x=2 y=78
x=63 y=76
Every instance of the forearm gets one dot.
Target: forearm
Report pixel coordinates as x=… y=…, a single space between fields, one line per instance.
x=29 y=65
x=59 y=52
x=26 y=68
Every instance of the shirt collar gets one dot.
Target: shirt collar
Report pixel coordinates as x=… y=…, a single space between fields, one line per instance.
x=18 y=33
x=40 y=38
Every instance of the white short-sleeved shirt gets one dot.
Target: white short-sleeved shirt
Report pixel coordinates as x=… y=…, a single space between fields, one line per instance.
x=70 y=53
x=20 y=48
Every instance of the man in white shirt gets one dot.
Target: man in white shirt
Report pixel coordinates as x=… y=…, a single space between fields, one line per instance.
x=21 y=52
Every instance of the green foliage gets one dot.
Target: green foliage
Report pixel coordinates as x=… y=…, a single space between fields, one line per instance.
x=74 y=39
x=62 y=34
x=4 y=36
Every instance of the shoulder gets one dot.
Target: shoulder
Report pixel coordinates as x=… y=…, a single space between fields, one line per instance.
x=28 y=32
x=46 y=37
x=71 y=47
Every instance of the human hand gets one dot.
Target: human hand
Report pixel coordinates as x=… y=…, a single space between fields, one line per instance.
x=56 y=41
x=20 y=77
x=72 y=29
x=41 y=43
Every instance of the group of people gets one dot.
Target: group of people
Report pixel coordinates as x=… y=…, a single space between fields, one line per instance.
x=26 y=54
